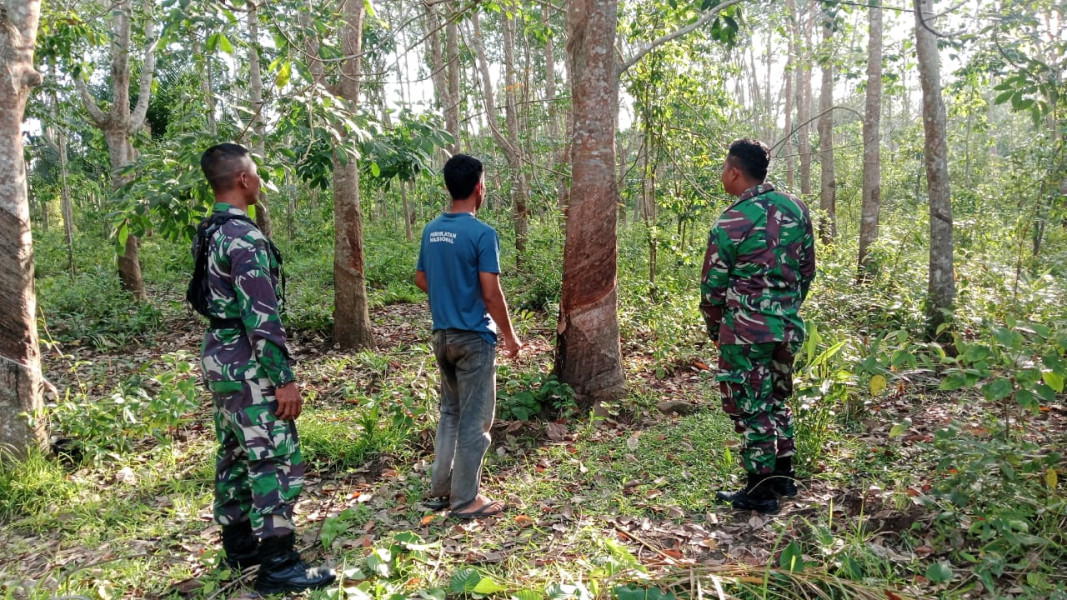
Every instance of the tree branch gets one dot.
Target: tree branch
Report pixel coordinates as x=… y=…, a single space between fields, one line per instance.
x=98 y=117
x=643 y=50
x=144 y=89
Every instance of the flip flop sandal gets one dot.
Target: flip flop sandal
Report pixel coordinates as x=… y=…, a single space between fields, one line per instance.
x=492 y=509
x=435 y=502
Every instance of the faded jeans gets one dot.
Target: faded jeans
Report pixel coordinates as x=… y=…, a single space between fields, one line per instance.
x=468 y=404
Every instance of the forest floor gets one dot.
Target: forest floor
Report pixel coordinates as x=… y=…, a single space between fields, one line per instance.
x=592 y=503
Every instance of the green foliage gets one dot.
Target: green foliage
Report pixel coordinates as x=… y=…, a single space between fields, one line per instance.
x=406 y=152
x=1001 y=508
x=1020 y=365
x=32 y=485
x=522 y=395
x=93 y=308
x=144 y=407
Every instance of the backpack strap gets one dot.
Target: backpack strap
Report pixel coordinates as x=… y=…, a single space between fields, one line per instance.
x=204 y=233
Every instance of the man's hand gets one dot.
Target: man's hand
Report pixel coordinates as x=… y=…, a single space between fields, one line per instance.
x=512 y=347
x=289 y=401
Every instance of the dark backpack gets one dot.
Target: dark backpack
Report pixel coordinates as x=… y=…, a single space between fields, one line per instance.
x=198 y=294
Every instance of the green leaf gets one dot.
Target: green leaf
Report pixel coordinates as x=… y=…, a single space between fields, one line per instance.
x=1045 y=392
x=900 y=428
x=1026 y=400
x=953 y=382
x=224 y=44
x=1007 y=470
x=488 y=585
x=792 y=558
x=527 y=595
x=877 y=385
x=939 y=572
x=1053 y=380
x=1004 y=96
x=975 y=353
x=999 y=389
x=464 y=581
x=284 y=73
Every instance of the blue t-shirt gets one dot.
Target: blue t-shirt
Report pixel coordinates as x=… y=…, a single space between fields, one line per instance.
x=455 y=248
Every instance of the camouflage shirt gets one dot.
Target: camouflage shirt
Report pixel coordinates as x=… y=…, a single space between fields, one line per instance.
x=243 y=281
x=758 y=268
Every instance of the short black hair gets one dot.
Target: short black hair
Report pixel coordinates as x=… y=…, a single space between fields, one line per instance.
x=751 y=156
x=462 y=173
x=222 y=163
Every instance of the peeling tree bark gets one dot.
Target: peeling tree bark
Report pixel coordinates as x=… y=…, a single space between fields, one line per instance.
x=20 y=354
x=588 y=353
x=352 y=327
x=941 y=288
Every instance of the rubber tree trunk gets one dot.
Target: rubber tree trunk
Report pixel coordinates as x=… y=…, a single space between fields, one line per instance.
x=510 y=150
x=803 y=90
x=827 y=180
x=941 y=288
x=20 y=354
x=119 y=123
x=872 y=168
x=588 y=355
x=259 y=127
x=790 y=97
x=352 y=327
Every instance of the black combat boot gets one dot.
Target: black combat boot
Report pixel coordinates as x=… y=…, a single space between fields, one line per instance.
x=282 y=570
x=784 y=479
x=242 y=549
x=757 y=495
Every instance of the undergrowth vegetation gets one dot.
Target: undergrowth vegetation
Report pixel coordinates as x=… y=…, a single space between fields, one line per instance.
x=928 y=469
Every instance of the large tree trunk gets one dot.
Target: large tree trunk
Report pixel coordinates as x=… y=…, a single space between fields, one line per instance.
x=872 y=168
x=941 y=284
x=351 y=317
x=588 y=355
x=827 y=182
x=803 y=90
x=119 y=122
x=259 y=127
x=20 y=354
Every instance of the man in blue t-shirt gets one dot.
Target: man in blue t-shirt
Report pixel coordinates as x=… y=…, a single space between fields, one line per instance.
x=459 y=267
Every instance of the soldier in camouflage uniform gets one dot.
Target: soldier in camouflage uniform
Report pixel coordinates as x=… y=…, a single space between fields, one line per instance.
x=759 y=265
x=245 y=361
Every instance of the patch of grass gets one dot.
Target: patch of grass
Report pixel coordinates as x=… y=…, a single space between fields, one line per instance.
x=33 y=485
x=348 y=437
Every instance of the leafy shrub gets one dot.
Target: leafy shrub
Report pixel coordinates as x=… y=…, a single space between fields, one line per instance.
x=92 y=307
x=1001 y=494
x=523 y=396
x=105 y=428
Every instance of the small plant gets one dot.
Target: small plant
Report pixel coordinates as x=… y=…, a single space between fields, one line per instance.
x=1002 y=495
x=524 y=396
x=104 y=429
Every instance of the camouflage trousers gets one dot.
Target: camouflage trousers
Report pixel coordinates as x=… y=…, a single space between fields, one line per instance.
x=259 y=470
x=756 y=381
